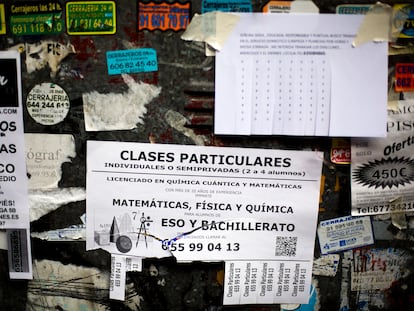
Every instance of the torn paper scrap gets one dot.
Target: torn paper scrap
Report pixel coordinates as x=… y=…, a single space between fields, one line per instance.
x=50 y=53
x=42 y=202
x=118 y=111
x=20 y=254
x=3 y=240
x=326 y=265
x=58 y=285
x=72 y=233
x=45 y=154
x=212 y=28
x=398 y=218
x=378 y=268
x=375 y=26
x=303 y=6
x=178 y=122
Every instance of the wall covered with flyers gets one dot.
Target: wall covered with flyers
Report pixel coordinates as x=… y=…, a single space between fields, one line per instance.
x=206 y=155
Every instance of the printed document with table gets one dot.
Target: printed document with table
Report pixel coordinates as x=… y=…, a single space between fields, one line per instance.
x=298 y=74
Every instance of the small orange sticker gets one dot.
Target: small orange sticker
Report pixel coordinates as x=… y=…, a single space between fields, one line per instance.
x=163 y=16
x=404 y=77
x=277 y=7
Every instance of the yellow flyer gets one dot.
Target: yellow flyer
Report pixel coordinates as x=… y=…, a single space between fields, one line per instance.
x=91 y=18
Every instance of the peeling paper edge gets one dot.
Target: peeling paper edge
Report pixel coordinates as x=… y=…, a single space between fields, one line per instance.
x=65 y=235
x=45 y=60
x=42 y=202
x=398 y=218
x=69 y=277
x=326 y=265
x=178 y=122
x=376 y=25
x=137 y=89
x=60 y=142
x=78 y=233
x=345 y=280
x=3 y=240
x=224 y=25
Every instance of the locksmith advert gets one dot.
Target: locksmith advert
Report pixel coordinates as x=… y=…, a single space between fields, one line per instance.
x=202 y=203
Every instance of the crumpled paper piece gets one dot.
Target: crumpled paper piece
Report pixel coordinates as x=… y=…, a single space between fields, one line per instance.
x=118 y=111
x=47 y=52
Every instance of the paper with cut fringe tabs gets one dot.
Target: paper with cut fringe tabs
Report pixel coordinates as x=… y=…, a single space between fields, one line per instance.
x=202 y=203
x=298 y=74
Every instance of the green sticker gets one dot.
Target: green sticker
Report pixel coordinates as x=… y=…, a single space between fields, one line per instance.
x=353 y=8
x=91 y=18
x=39 y=18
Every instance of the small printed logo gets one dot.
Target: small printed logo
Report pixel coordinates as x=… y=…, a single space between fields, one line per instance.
x=391 y=172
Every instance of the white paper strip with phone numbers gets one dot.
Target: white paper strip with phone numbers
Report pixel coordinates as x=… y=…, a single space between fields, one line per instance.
x=266 y=282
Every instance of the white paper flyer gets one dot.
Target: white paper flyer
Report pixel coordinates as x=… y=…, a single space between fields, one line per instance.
x=202 y=203
x=14 y=206
x=299 y=74
x=383 y=168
